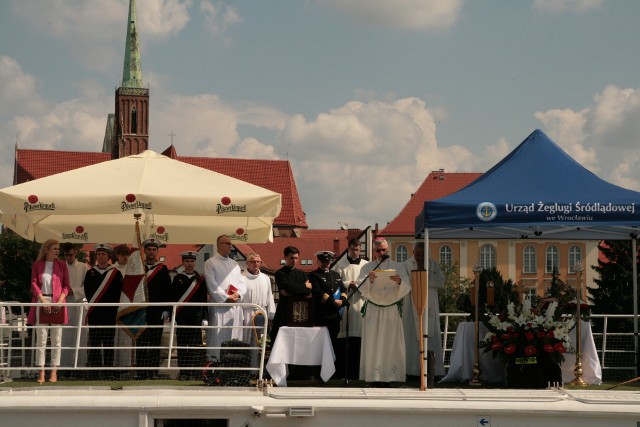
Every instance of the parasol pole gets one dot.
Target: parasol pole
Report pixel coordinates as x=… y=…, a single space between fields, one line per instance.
x=419 y=297
x=132 y=352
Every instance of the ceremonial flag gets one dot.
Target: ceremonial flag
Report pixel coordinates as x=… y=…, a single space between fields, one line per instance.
x=134 y=317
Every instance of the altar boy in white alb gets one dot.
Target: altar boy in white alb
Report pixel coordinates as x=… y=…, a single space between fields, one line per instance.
x=225 y=283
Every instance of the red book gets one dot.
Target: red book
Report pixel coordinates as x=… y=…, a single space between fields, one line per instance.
x=232 y=290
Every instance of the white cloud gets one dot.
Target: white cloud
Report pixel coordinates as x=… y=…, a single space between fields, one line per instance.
x=251 y=148
x=568 y=129
x=399 y=14
x=18 y=90
x=556 y=6
x=91 y=29
x=359 y=163
x=617 y=110
x=603 y=136
x=219 y=18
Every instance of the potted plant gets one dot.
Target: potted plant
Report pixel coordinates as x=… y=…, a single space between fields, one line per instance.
x=531 y=343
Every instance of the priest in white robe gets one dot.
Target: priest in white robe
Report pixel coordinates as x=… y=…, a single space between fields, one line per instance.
x=77 y=272
x=259 y=292
x=225 y=283
x=382 y=355
x=410 y=317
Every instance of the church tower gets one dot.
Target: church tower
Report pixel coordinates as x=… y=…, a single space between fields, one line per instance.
x=131 y=119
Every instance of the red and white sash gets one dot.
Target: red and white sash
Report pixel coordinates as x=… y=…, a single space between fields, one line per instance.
x=196 y=282
x=109 y=275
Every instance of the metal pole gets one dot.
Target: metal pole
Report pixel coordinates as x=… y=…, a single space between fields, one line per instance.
x=578 y=366
x=634 y=267
x=475 y=380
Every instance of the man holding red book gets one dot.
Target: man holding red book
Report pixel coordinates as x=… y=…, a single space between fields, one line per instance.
x=225 y=283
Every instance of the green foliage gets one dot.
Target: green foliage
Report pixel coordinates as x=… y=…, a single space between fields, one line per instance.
x=614 y=294
x=16 y=257
x=504 y=292
x=454 y=292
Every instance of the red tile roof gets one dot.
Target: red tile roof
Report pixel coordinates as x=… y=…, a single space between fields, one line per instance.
x=34 y=164
x=310 y=242
x=275 y=175
x=437 y=184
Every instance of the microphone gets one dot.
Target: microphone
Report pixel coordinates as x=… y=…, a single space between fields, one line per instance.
x=383 y=258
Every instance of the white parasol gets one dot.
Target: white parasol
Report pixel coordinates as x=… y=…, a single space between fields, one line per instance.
x=176 y=203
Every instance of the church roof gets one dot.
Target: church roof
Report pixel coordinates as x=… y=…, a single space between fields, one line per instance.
x=437 y=184
x=274 y=175
x=132 y=69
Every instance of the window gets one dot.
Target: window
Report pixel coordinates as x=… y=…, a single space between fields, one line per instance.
x=575 y=257
x=487 y=257
x=529 y=260
x=401 y=253
x=446 y=255
x=529 y=294
x=552 y=259
x=134 y=120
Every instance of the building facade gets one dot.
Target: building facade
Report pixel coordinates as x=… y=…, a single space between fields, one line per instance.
x=528 y=263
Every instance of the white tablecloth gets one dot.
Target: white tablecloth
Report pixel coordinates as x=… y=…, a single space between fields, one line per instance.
x=301 y=346
x=491 y=370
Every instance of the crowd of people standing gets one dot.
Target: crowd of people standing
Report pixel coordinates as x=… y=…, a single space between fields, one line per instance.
x=365 y=306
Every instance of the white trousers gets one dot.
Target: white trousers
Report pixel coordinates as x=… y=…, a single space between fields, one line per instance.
x=42 y=331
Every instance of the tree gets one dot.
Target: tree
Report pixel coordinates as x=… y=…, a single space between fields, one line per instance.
x=614 y=293
x=16 y=257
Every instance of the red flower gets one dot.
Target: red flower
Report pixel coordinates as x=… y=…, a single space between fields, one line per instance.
x=550 y=334
x=559 y=347
x=541 y=334
x=510 y=349
x=505 y=336
x=494 y=338
x=548 y=348
x=510 y=329
x=530 y=350
x=496 y=346
x=529 y=336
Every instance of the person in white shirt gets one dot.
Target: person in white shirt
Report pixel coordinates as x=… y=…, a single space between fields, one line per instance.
x=259 y=292
x=225 y=283
x=122 y=253
x=410 y=319
x=77 y=273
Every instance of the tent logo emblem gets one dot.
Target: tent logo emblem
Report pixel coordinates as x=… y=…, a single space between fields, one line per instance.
x=486 y=211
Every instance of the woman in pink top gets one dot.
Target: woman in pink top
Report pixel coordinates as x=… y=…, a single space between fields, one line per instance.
x=49 y=286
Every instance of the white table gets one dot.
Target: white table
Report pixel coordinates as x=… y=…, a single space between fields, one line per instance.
x=301 y=346
x=491 y=370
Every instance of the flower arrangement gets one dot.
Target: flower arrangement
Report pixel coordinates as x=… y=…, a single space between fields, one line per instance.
x=523 y=334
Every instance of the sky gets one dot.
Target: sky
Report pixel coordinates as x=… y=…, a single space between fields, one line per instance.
x=363 y=97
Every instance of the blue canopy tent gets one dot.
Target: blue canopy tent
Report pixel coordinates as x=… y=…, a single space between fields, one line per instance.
x=537 y=191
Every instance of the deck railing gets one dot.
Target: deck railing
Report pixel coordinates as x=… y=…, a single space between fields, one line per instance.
x=614 y=344
x=18 y=344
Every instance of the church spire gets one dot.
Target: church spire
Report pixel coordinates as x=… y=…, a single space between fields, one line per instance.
x=132 y=73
